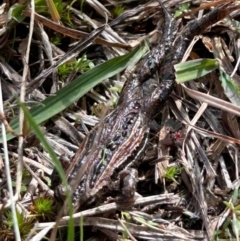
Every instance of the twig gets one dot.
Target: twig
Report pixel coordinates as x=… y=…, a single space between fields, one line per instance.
x=22 y=99
x=8 y=174
x=76 y=34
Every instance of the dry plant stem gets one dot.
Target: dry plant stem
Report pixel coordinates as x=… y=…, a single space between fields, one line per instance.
x=170 y=232
x=126 y=229
x=99 y=7
x=6 y=124
x=109 y=34
x=168 y=198
x=225 y=173
x=9 y=180
x=140 y=231
x=236 y=162
x=213 y=101
x=189 y=49
x=22 y=99
x=41 y=183
x=236 y=67
x=35 y=235
x=204 y=132
x=75 y=34
x=205 y=6
x=34 y=230
x=197 y=183
x=81 y=45
x=31 y=162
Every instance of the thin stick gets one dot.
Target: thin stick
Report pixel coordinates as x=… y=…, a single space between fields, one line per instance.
x=22 y=99
x=11 y=202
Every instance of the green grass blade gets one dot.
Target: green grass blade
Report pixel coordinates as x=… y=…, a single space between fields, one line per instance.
x=231 y=89
x=15 y=12
x=53 y=11
x=80 y=86
x=37 y=131
x=194 y=69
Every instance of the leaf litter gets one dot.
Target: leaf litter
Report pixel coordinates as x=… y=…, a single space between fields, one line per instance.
x=198 y=131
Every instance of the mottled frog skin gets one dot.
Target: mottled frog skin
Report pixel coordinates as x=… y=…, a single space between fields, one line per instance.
x=116 y=143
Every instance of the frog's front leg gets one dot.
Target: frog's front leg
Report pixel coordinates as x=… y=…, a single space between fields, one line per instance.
x=127 y=187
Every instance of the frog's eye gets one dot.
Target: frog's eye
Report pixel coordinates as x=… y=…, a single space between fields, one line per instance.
x=60 y=192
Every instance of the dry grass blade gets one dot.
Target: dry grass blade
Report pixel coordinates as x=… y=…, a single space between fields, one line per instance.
x=196 y=152
x=206 y=6
x=99 y=7
x=201 y=131
x=213 y=101
x=72 y=52
x=53 y=11
x=75 y=34
x=109 y=34
x=141 y=201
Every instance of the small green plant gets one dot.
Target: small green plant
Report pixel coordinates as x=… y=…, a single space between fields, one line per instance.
x=126 y=216
x=42 y=6
x=172 y=172
x=25 y=225
x=231 y=227
x=181 y=9
x=113 y=102
x=78 y=66
x=117 y=11
x=56 y=39
x=56 y=8
x=116 y=89
x=43 y=208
